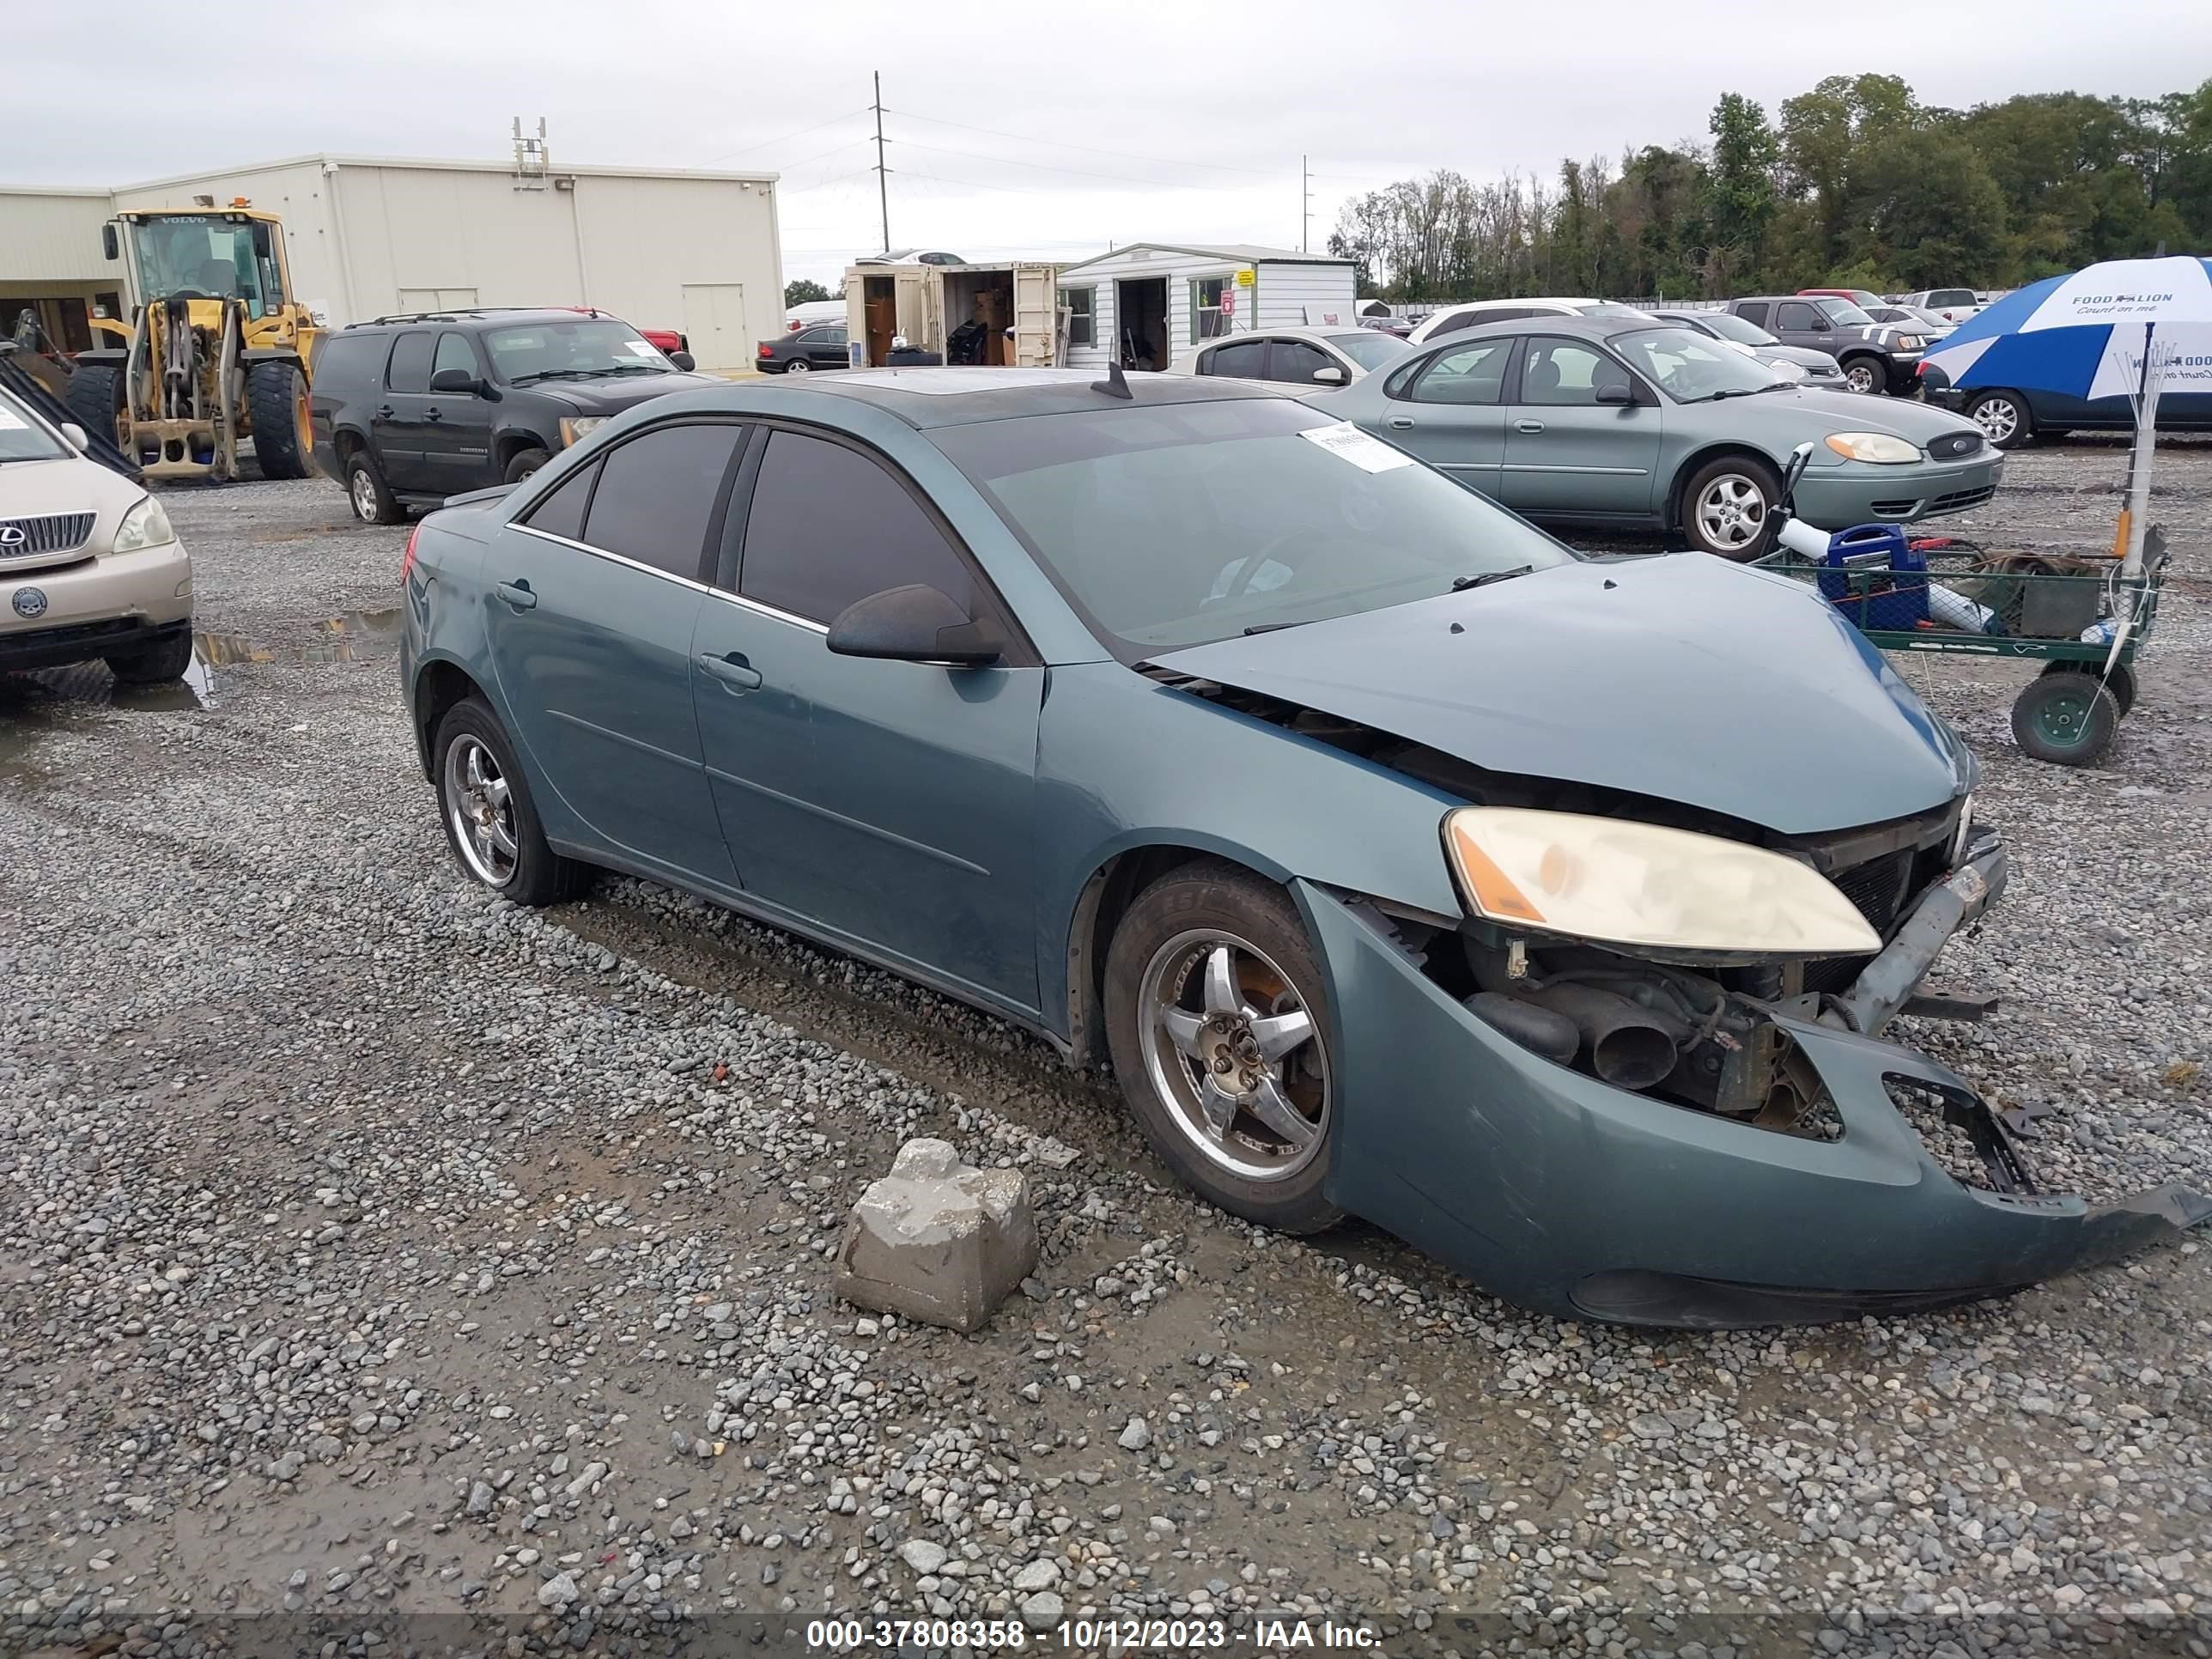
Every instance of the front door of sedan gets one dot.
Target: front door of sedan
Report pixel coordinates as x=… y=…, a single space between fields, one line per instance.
x=889 y=802
x=1567 y=454
x=590 y=607
x=1452 y=412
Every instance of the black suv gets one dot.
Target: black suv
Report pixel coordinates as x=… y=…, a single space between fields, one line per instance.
x=408 y=410
x=1875 y=356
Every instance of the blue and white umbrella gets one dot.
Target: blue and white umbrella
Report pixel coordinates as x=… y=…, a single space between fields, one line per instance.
x=2129 y=328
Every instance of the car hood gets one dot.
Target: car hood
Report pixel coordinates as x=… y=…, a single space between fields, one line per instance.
x=1807 y=414
x=66 y=483
x=1679 y=676
x=611 y=397
x=1789 y=354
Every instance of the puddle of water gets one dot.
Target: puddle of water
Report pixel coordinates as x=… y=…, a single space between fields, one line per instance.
x=350 y=636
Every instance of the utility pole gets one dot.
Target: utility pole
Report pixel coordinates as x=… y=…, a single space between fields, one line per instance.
x=1306 y=206
x=883 y=184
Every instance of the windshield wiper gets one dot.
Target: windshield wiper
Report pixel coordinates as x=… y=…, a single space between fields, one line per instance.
x=1461 y=584
x=1269 y=628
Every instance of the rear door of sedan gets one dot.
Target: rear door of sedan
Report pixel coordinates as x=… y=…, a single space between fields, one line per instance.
x=889 y=802
x=591 y=602
x=1451 y=411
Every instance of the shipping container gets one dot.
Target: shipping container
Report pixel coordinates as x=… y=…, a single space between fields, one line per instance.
x=995 y=315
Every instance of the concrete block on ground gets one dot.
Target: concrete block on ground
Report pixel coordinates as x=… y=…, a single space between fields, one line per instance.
x=938 y=1240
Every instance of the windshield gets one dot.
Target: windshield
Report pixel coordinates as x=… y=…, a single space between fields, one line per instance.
x=1843 y=313
x=1368 y=348
x=1729 y=326
x=205 y=258
x=585 y=348
x=21 y=437
x=1173 y=525
x=1690 y=367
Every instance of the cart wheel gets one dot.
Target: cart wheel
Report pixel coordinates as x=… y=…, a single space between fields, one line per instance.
x=2121 y=682
x=2067 y=718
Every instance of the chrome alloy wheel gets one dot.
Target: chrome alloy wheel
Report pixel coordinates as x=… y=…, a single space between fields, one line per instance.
x=364 y=495
x=480 y=812
x=1998 y=418
x=1732 y=513
x=1234 y=1055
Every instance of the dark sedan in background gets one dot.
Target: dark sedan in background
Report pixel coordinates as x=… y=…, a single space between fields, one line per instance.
x=1486 y=941
x=801 y=351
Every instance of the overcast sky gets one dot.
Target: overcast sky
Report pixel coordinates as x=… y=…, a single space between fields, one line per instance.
x=1010 y=135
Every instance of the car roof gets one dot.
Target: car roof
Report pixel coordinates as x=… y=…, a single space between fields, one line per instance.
x=1572 y=327
x=1298 y=332
x=962 y=395
x=485 y=317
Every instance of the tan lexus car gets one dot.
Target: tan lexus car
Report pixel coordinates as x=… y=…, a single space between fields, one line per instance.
x=89 y=567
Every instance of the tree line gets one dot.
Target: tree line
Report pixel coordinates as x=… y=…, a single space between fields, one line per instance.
x=1855 y=184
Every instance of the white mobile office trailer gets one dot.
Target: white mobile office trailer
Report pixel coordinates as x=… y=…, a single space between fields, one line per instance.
x=997 y=315
x=1145 y=304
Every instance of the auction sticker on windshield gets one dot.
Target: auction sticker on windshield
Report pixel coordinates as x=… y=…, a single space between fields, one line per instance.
x=1349 y=443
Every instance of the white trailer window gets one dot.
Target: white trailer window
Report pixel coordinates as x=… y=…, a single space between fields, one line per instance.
x=1081 y=304
x=1208 y=321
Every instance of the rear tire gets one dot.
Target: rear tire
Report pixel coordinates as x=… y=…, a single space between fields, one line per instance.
x=491 y=822
x=95 y=398
x=1729 y=508
x=1157 y=972
x=276 y=411
x=798 y=366
x=524 y=462
x=165 y=660
x=367 y=494
x=2067 y=718
x=2002 y=418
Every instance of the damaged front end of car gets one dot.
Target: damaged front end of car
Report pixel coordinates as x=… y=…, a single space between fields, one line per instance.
x=1644 y=1079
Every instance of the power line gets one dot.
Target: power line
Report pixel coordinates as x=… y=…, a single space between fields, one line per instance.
x=802 y=132
x=1061 y=144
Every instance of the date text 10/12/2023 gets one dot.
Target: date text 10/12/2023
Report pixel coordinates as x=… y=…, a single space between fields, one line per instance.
x=1263 y=1634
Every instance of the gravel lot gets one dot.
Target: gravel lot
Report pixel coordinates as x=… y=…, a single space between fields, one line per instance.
x=374 y=1252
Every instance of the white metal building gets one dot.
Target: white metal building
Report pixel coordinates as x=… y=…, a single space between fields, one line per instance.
x=1150 y=301
x=697 y=252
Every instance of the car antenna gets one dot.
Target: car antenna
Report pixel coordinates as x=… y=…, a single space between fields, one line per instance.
x=1116 y=385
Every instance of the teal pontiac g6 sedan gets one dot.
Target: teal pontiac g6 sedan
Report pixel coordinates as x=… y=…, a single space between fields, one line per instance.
x=1387 y=850
x=1629 y=422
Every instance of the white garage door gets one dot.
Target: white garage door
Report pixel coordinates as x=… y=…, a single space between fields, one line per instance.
x=714 y=323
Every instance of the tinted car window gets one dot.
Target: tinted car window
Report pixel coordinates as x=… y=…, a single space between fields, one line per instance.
x=1459 y=320
x=656 y=494
x=1472 y=374
x=1753 y=311
x=1789 y=314
x=349 y=358
x=829 y=526
x=454 y=352
x=1247 y=358
x=1294 y=360
x=562 y=512
x=1941 y=297
x=411 y=361
x=1567 y=372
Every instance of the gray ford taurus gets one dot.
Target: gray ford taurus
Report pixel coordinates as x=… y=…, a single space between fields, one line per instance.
x=1385 y=846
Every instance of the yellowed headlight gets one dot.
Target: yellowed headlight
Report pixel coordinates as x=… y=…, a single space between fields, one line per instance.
x=1619 y=882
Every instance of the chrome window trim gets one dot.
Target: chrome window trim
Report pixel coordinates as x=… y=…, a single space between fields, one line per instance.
x=737 y=599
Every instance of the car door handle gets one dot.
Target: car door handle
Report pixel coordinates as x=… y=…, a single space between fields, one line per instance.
x=734 y=670
x=431 y=414
x=384 y=411
x=1528 y=426
x=1401 y=421
x=518 y=594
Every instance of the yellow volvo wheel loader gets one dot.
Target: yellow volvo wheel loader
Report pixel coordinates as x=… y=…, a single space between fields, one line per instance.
x=215 y=353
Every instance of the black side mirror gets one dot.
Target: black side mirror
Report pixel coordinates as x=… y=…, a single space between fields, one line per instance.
x=684 y=360
x=1616 y=393
x=458 y=381
x=110 y=243
x=914 y=624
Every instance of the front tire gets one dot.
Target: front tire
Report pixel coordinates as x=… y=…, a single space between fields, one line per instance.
x=1218 y=1022
x=525 y=462
x=1729 y=508
x=372 y=502
x=2002 y=418
x=96 y=399
x=276 y=411
x=491 y=822
x=1864 y=374
x=156 y=664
